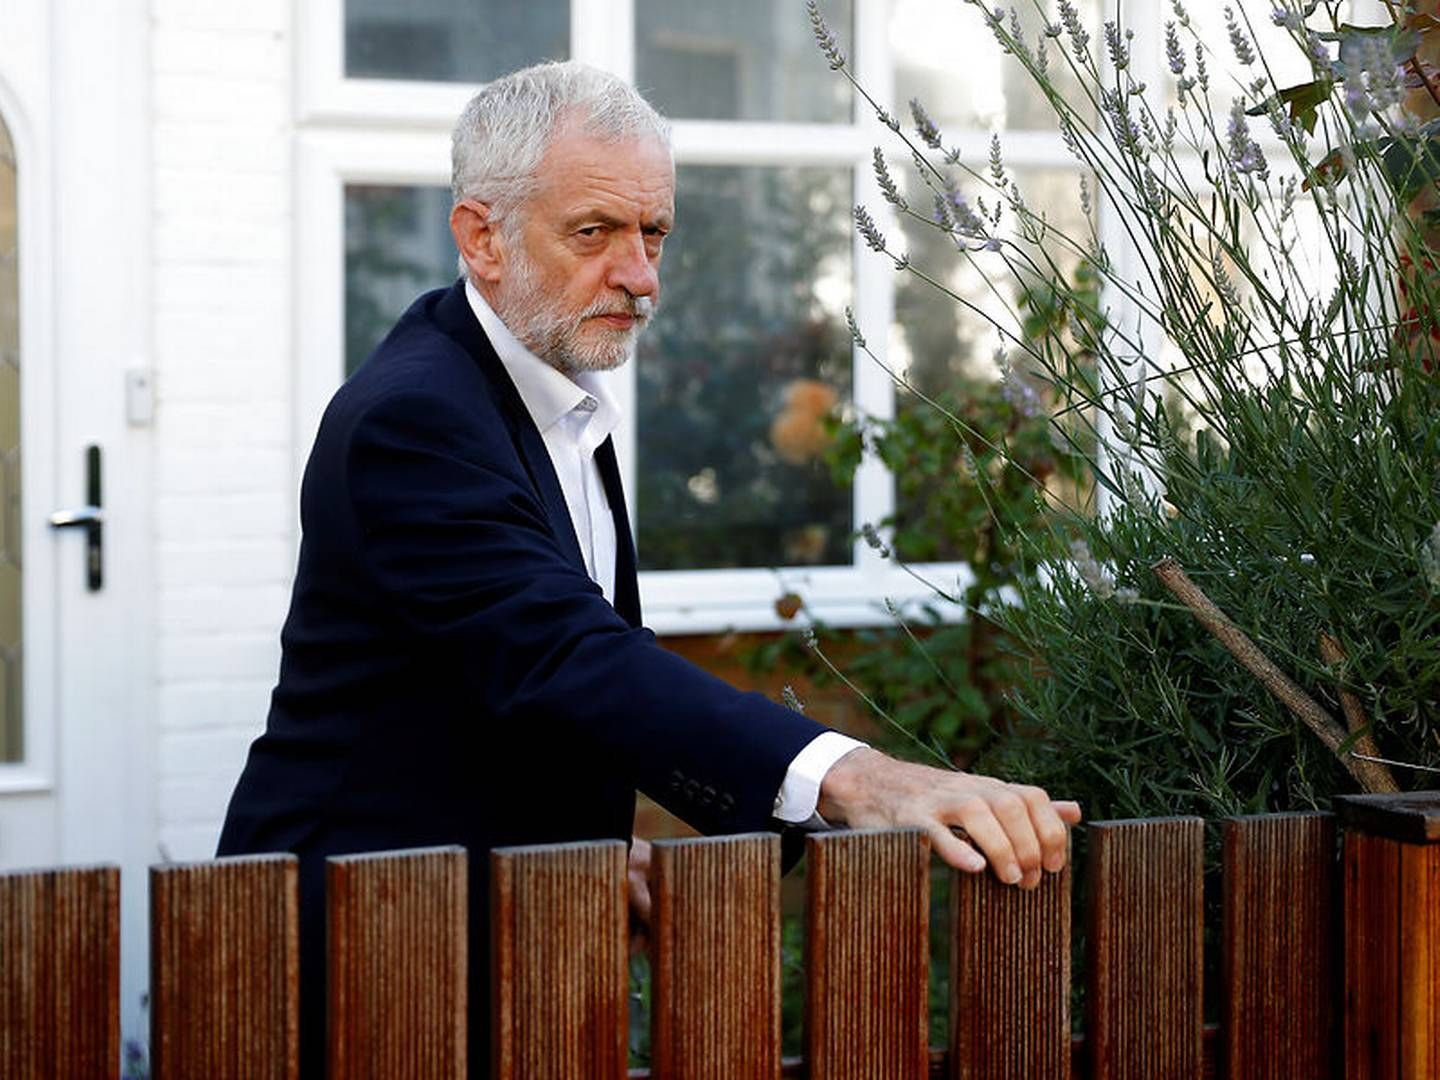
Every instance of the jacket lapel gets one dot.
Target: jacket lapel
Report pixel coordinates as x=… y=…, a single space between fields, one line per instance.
x=454 y=316
x=627 y=586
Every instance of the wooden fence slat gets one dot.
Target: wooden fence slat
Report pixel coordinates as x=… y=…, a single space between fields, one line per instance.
x=224 y=969
x=60 y=973
x=715 y=958
x=867 y=955
x=1372 y=956
x=1392 y=934
x=1144 y=944
x=1009 y=978
x=396 y=987
x=559 y=977
x=1278 y=945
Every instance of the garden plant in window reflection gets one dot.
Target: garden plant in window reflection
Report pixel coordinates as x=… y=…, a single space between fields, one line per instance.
x=1245 y=615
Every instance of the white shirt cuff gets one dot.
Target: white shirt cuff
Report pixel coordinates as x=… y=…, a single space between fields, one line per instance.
x=800 y=793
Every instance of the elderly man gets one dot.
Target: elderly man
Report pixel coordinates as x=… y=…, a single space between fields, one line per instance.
x=463 y=660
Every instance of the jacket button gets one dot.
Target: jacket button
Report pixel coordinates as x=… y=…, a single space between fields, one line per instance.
x=727 y=803
x=676 y=779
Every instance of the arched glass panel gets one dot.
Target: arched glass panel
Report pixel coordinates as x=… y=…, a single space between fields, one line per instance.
x=11 y=721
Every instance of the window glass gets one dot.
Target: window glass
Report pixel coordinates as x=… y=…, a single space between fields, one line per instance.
x=741 y=60
x=944 y=348
x=987 y=90
x=452 y=40
x=747 y=356
x=397 y=245
x=11 y=718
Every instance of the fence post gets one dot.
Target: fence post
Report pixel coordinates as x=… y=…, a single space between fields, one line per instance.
x=1144 y=941
x=1392 y=935
x=1278 y=962
x=558 y=975
x=60 y=973
x=1009 y=978
x=715 y=958
x=224 y=969
x=867 y=950
x=396 y=937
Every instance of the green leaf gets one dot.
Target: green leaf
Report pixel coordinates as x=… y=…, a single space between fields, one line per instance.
x=1410 y=164
x=1303 y=101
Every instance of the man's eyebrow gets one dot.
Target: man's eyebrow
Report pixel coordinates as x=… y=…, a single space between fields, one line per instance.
x=601 y=217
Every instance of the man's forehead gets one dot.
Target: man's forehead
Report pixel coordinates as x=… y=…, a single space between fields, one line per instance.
x=580 y=169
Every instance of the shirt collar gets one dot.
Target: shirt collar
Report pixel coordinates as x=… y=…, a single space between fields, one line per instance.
x=548 y=394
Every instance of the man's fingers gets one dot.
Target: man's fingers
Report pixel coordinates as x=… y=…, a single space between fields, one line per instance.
x=1069 y=811
x=985 y=831
x=954 y=851
x=1049 y=828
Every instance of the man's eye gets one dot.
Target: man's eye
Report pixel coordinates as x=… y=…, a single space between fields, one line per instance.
x=590 y=231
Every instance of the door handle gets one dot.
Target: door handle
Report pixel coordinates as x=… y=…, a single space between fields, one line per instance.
x=91 y=518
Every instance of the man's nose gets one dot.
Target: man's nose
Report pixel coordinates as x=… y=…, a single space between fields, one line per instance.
x=632 y=270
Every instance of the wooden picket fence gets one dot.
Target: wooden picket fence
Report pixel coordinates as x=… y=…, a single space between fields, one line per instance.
x=1330 y=967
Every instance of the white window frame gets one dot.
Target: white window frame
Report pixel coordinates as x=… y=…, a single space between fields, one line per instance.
x=354 y=131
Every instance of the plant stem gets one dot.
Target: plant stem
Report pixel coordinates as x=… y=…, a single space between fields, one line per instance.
x=1372 y=778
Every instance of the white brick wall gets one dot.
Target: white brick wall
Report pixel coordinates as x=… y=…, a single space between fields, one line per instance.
x=225 y=485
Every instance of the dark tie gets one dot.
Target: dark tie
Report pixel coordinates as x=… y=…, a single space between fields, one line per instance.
x=627 y=586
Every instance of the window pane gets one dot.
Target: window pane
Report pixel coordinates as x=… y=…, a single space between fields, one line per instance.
x=742 y=60
x=11 y=719
x=747 y=354
x=947 y=57
x=397 y=245
x=452 y=40
x=942 y=347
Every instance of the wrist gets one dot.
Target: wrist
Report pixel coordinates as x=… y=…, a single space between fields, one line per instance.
x=842 y=787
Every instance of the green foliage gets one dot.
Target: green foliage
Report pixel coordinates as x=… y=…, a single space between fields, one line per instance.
x=1284 y=455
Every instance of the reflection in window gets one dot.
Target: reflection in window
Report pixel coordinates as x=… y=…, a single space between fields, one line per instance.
x=452 y=40
x=748 y=354
x=397 y=245
x=742 y=60
x=944 y=348
x=989 y=91
x=11 y=699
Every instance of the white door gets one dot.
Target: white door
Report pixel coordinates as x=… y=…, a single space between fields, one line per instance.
x=76 y=672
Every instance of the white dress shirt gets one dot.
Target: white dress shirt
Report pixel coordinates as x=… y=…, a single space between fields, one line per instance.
x=574 y=416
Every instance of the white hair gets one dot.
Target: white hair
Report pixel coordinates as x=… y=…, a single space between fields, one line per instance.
x=504 y=131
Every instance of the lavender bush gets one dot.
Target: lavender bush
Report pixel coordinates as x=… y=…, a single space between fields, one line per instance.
x=1244 y=614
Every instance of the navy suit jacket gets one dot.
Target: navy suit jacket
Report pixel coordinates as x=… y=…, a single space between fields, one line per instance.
x=450 y=673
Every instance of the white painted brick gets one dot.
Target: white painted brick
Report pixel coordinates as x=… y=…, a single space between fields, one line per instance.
x=260 y=292
x=204 y=753
x=186 y=843
x=182 y=146
x=223 y=14
x=221 y=240
x=191 y=97
x=255 y=562
x=220 y=53
x=202 y=190
x=192 y=706
x=227 y=656
x=238 y=468
x=182 y=426
x=250 y=321
x=192 y=800
x=208 y=609
x=187 y=518
x=249 y=702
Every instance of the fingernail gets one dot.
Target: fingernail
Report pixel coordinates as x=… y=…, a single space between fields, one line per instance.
x=1011 y=874
x=1056 y=862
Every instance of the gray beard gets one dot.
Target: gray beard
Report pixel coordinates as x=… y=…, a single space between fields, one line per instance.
x=555 y=337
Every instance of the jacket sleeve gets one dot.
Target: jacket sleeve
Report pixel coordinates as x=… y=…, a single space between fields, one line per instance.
x=456 y=543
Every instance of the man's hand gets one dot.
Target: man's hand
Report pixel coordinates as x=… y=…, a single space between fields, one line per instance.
x=1019 y=830
x=637 y=881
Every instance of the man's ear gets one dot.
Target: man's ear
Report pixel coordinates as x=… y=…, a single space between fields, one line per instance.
x=477 y=239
